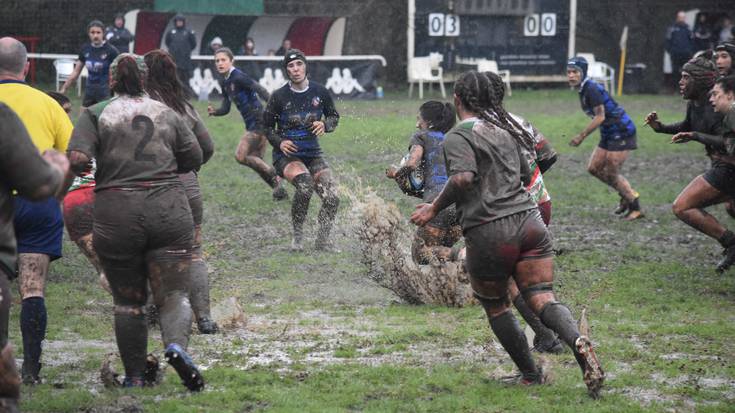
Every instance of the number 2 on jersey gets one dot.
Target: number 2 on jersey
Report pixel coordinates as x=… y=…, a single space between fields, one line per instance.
x=145 y=124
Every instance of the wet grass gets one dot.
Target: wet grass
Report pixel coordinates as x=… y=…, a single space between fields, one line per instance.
x=322 y=337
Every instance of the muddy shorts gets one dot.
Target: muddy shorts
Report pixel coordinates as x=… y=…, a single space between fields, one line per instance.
x=39 y=226
x=618 y=143
x=722 y=177
x=544 y=209
x=194 y=195
x=446 y=218
x=314 y=165
x=79 y=212
x=254 y=122
x=134 y=229
x=494 y=249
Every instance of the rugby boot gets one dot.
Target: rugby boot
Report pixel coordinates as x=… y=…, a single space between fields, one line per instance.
x=547 y=344
x=207 y=326
x=29 y=372
x=185 y=367
x=297 y=244
x=634 y=211
x=109 y=377
x=525 y=380
x=593 y=375
x=622 y=207
x=279 y=192
x=131 y=382
x=727 y=260
x=151 y=375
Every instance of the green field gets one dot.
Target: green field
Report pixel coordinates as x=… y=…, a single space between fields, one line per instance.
x=321 y=336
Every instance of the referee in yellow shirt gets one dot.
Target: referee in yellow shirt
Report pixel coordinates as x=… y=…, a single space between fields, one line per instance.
x=38 y=225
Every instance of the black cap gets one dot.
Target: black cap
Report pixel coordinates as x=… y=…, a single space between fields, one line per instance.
x=726 y=47
x=291 y=55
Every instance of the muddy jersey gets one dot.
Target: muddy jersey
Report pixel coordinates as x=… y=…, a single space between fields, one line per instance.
x=138 y=142
x=290 y=114
x=433 y=162
x=97 y=60
x=542 y=151
x=495 y=158
x=700 y=117
x=21 y=169
x=196 y=124
x=617 y=123
x=243 y=90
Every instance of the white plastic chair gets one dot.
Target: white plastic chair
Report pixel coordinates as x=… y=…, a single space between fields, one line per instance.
x=484 y=65
x=64 y=68
x=419 y=71
x=600 y=72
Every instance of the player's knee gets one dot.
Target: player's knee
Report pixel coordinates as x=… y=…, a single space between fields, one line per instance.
x=678 y=209
x=129 y=310
x=494 y=306
x=304 y=185
x=537 y=295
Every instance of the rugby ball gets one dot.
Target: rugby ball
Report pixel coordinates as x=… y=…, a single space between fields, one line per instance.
x=413 y=183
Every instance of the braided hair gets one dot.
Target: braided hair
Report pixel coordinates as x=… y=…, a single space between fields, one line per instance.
x=162 y=84
x=482 y=95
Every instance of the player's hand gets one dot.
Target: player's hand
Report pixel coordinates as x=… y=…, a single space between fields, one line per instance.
x=391 y=172
x=288 y=147
x=317 y=128
x=56 y=159
x=577 y=140
x=423 y=214
x=210 y=109
x=652 y=121
x=682 y=137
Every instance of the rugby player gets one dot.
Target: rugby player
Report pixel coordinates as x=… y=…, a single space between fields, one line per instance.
x=244 y=91
x=724 y=53
x=24 y=170
x=39 y=225
x=717 y=185
x=296 y=116
x=96 y=56
x=435 y=239
x=163 y=86
x=142 y=220
x=617 y=137
x=503 y=230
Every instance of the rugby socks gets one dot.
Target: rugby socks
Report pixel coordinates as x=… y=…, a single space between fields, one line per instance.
x=558 y=318
x=511 y=337
x=269 y=176
x=131 y=332
x=544 y=334
x=634 y=205
x=727 y=239
x=33 y=328
x=330 y=203
x=304 y=189
x=199 y=292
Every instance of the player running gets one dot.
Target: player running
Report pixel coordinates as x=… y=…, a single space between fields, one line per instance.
x=244 y=91
x=163 y=86
x=426 y=153
x=96 y=56
x=297 y=114
x=717 y=185
x=503 y=230
x=617 y=133
x=142 y=220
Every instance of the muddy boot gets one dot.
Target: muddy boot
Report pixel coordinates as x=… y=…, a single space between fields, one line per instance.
x=109 y=377
x=634 y=211
x=547 y=344
x=527 y=380
x=727 y=260
x=131 y=382
x=207 y=326
x=279 y=192
x=297 y=244
x=30 y=372
x=622 y=207
x=185 y=367
x=593 y=375
x=152 y=373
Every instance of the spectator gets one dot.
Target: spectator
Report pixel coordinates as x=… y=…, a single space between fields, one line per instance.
x=215 y=44
x=118 y=36
x=726 y=29
x=97 y=55
x=38 y=225
x=248 y=48
x=703 y=33
x=679 y=44
x=180 y=42
x=284 y=47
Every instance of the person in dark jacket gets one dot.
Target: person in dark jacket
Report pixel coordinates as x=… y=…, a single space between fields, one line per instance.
x=180 y=42
x=679 y=43
x=118 y=36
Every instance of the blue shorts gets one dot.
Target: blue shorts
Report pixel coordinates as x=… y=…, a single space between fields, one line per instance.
x=39 y=226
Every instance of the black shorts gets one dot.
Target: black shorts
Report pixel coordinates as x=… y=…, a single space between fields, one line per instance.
x=94 y=94
x=314 y=165
x=618 y=143
x=722 y=177
x=494 y=249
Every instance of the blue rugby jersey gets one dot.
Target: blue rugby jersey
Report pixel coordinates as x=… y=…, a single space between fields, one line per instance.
x=98 y=59
x=433 y=162
x=243 y=90
x=617 y=123
x=290 y=114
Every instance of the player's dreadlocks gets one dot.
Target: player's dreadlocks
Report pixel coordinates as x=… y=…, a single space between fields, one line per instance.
x=480 y=94
x=162 y=83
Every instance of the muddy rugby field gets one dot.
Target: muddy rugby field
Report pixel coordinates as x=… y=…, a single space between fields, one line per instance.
x=319 y=335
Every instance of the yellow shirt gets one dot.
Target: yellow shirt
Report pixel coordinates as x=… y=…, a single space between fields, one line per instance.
x=47 y=123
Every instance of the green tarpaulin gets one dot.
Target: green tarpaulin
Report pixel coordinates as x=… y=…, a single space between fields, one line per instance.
x=233 y=7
